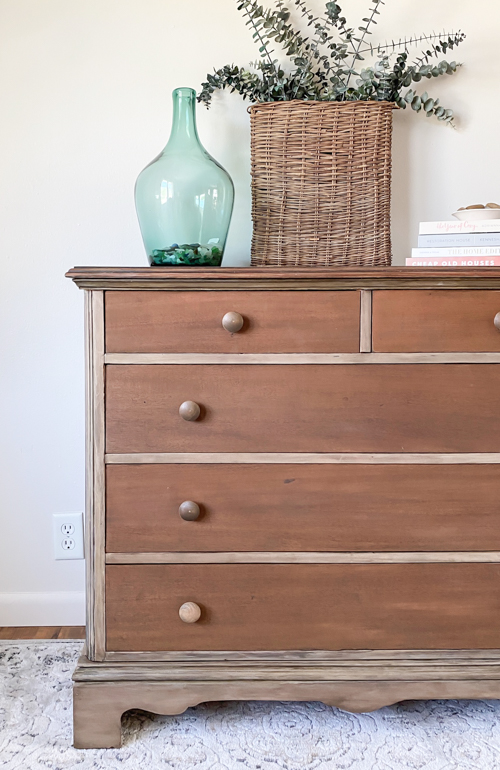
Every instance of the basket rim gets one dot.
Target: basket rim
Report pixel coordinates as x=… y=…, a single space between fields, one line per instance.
x=313 y=103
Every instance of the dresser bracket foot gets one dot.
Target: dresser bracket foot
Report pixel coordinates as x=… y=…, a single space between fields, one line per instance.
x=96 y=716
x=98 y=706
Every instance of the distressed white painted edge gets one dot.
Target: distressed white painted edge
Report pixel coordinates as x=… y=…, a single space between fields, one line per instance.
x=302 y=358
x=365 y=321
x=96 y=503
x=281 y=458
x=307 y=557
x=89 y=473
x=311 y=657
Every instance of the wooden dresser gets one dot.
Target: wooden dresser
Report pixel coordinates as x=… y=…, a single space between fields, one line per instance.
x=293 y=486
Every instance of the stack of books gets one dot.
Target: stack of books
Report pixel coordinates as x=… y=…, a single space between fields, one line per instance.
x=457 y=244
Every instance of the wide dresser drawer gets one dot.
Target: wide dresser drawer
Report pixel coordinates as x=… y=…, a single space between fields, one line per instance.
x=273 y=322
x=437 y=321
x=304 y=408
x=301 y=607
x=285 y=507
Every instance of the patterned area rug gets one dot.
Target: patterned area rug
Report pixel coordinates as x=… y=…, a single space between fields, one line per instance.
x=35 y=729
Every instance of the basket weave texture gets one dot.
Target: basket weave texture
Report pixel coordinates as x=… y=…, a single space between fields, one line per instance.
x=321 y=183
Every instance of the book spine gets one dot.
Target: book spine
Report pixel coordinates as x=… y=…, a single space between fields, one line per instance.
x=450 y=240
x=458 y=253
x=451 y=262
x=457 y=227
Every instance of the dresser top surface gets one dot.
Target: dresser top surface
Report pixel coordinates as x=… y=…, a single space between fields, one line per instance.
x=285 y=278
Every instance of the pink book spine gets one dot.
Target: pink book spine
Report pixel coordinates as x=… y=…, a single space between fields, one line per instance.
x=454 y=262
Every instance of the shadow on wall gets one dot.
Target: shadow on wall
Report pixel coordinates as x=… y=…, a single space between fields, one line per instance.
x=402 y=236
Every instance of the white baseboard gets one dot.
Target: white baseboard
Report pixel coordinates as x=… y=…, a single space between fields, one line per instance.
x=54 y=608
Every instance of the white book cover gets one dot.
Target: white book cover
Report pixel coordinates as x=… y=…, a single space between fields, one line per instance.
x=456 y=227
x=457 y=252
x=452 y=240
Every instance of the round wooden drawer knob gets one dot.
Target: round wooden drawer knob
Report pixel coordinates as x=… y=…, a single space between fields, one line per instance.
x=189 y=410
x=189 y=511
x=233 y=322
x=189 y=612
x=496 y=321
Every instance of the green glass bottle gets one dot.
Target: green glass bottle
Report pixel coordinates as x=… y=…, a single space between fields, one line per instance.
x=184 y=198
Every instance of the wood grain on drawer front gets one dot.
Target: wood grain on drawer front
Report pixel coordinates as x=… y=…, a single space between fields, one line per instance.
x=304 y=408
x=191 y=322
x=306 y=606
x=435 y=321
x=303 y=508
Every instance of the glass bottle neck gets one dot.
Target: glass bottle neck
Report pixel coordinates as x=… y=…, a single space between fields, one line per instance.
x=184 y=135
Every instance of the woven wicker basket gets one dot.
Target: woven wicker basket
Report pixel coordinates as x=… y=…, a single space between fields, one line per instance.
x=321 y=183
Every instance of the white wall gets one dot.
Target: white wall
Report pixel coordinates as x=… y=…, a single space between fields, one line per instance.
x=85 y=104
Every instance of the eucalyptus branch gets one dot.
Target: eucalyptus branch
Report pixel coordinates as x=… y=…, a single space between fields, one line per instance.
x=313 y=47
x=277 y=27
x=445 y=40
x=368 y=23
x=441 y=47
x=335 y=20
x=431 y=107
x=365 y=31
x=250 y=9
x=258 y=19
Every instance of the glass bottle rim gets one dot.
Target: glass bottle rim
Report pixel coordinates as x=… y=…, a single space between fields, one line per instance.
x=184 y=91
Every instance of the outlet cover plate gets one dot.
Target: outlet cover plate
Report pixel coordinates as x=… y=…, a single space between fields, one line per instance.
x=68 y=535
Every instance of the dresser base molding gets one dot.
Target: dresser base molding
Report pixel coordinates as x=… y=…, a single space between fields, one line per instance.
x=356 y=682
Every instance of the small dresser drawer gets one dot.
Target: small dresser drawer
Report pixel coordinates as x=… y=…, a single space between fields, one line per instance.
x=192 y=322
x=318 y=507
x=436 y=321
x=304 y=408
x=301 y=607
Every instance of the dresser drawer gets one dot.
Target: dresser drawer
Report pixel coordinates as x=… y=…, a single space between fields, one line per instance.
x=304 y=408
x=435 y=321
x=306 y=606
x=191 y=322
x=303 y=508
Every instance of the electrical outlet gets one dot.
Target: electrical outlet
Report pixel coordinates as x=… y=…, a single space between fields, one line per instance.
x=68 y=529
x=68 y=535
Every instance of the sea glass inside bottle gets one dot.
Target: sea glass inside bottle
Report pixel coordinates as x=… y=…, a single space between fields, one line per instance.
x=184 y=198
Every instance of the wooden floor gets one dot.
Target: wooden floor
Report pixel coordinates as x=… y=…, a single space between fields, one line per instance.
x=42 y=632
